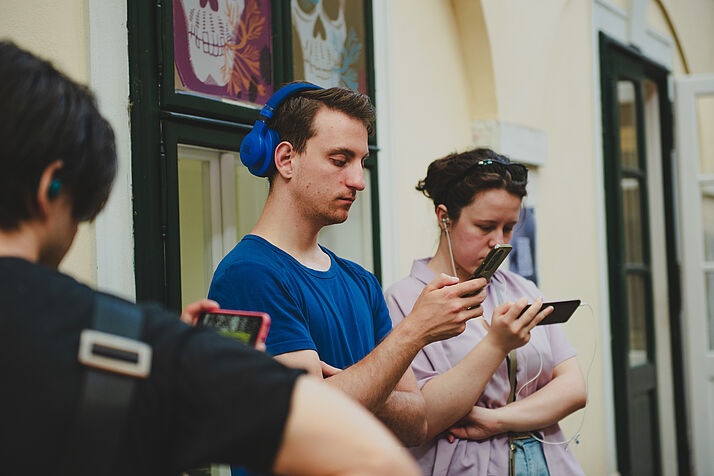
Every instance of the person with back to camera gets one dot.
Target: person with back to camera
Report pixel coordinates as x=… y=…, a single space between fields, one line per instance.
x=477 y=198
x=200 y=397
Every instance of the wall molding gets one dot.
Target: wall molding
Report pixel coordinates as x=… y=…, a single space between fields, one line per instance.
x=109 y=79
x=520 y=143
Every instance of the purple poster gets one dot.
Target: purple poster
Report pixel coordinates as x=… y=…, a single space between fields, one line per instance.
x=222 y=48
x=522 y=257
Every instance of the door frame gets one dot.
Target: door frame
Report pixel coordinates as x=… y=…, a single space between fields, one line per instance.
x=692 y=249
x=659 y=75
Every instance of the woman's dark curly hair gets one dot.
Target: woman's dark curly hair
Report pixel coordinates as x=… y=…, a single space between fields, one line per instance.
x=455 y=180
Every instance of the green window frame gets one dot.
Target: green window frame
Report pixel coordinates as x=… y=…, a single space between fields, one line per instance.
x=162 y=118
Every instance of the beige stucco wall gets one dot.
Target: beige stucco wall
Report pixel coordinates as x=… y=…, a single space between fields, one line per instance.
x=694 y=22
x=431 y=112
x=57 y=31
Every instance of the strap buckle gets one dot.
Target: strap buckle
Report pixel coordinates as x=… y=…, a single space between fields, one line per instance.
x=114 y=353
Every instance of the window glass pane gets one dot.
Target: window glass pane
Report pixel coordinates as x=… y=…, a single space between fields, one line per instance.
x=708 y=222
x=195 y=227
x=353 y=238
x=628 y=123
x=632 y=214
x=329 y=43
x=223 y=48
x=636 y=317
x=705 y=116
x=250 y=195
x=710 y=307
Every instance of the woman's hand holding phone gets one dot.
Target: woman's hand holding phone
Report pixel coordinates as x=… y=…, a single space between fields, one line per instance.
x=508 y=331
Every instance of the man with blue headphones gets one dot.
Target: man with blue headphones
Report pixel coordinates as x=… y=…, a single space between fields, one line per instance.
x=328 y=314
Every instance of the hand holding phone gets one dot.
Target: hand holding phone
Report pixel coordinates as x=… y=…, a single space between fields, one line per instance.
x=248 y=327
x=562 y=310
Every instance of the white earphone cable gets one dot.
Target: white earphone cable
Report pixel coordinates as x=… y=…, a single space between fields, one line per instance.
x=576 y=435
x=448 y=240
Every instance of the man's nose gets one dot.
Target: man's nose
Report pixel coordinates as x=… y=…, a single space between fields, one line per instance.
x=355 y=176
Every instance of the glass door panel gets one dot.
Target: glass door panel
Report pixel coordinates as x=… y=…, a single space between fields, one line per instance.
x=705 y=115
x=628 y=124
x=709 y=289
x=708 y=222
x=199 y=219
x=632 y=215
x=637 y=308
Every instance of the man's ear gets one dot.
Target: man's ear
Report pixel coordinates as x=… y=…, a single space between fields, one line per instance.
x=44 y=197
x=284 y=155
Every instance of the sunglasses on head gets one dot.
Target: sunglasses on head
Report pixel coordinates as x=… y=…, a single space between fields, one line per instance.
x=518 y=172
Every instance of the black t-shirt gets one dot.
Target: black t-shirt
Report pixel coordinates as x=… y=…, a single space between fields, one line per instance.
x=207 y=399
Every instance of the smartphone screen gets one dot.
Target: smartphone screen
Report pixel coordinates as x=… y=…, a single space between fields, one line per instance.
x=562 y=310
x=243 y=326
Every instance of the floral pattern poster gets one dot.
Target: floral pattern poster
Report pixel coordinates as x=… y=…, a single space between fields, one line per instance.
x=223 y=49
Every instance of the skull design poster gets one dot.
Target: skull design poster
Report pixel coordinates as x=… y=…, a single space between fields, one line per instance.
x=329 y=43
x=222 y=48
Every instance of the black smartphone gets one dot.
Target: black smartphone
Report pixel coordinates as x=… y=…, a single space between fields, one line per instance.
x=492 y=261
x=562 y=310
x=490 y=264
x=245 y=326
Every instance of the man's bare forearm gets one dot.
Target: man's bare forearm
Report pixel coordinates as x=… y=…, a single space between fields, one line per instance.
x=403 y=413
x=323 y=421
x=372 y=379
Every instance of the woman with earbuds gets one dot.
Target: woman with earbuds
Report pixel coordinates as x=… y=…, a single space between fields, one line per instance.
x=477 y=425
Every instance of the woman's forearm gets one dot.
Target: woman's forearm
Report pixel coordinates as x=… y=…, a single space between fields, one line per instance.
x=453 y=394
x=557 y=399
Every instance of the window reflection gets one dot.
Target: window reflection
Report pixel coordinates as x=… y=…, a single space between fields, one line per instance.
x=705 y=118
x=636 y=308
x=632 y=216
x=708 y=221
x=329 y=47
x=196 y=213
x=628 y=123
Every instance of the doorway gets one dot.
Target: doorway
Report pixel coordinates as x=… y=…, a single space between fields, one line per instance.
x=642 y=270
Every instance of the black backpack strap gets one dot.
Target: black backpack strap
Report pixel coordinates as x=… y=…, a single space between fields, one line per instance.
x=115 y=357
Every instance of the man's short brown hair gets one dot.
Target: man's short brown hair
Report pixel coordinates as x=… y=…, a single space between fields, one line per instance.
x=294 y=118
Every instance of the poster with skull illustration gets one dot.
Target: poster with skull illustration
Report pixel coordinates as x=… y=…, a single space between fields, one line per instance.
x=329 y=43
x=223 y=49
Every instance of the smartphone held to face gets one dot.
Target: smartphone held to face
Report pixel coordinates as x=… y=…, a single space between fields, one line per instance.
x=562 y=310
x=248 y=327
x=492 y=261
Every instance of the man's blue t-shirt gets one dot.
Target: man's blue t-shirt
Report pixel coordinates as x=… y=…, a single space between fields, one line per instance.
x=340 y=313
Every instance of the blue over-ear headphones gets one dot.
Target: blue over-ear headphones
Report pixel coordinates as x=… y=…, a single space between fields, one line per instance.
x=258 y=148
x=54 y=189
